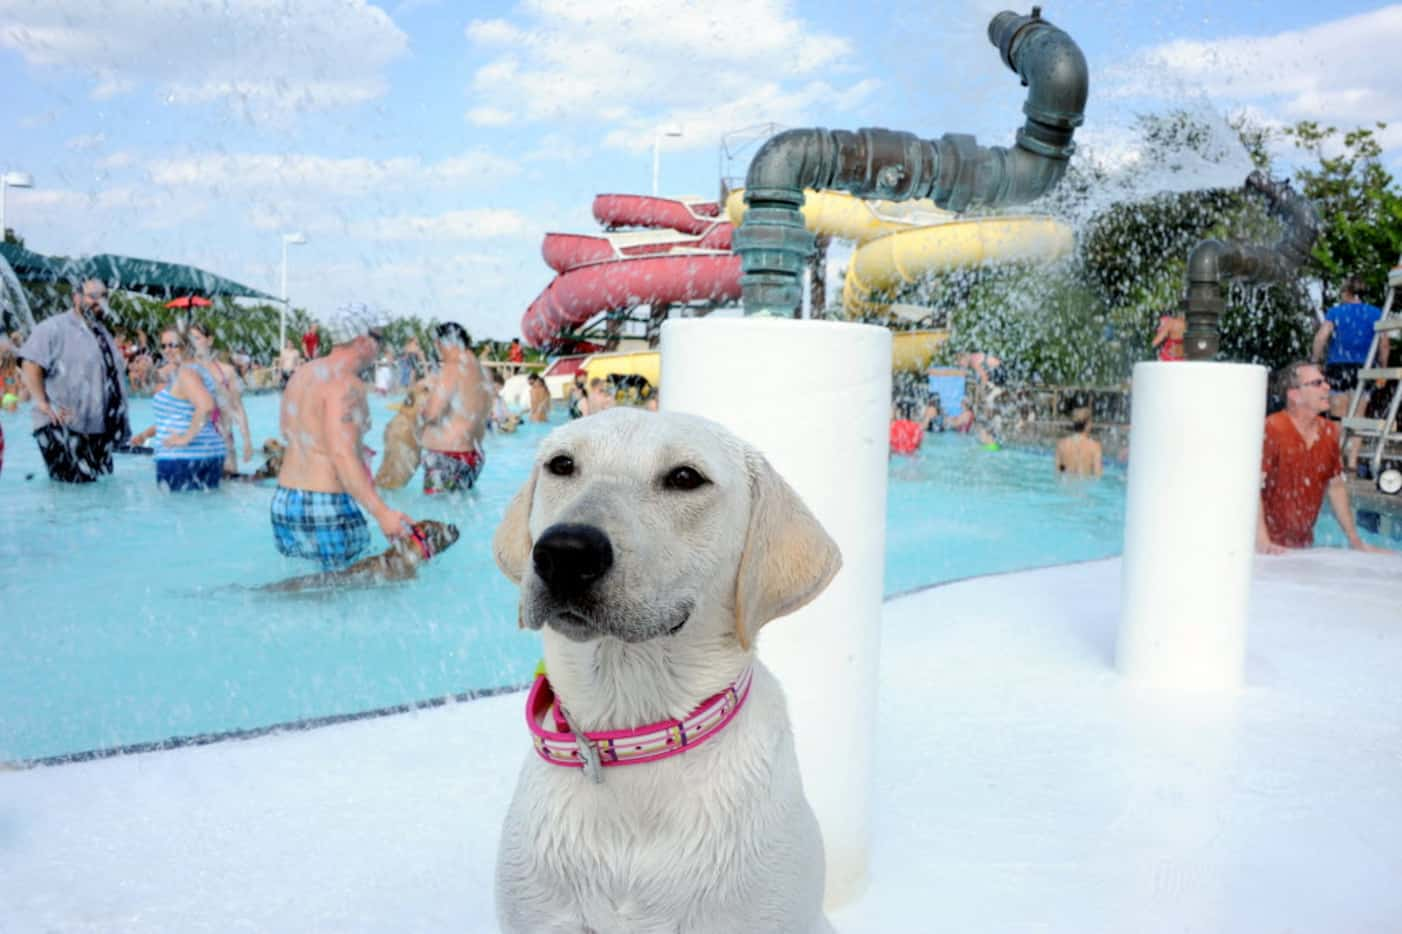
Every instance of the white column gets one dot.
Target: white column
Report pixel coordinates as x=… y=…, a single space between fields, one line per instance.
x=815 y=398
x=1190 y=523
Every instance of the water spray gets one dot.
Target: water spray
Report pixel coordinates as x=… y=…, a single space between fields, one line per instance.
x=1214 y=262
x=815 y=396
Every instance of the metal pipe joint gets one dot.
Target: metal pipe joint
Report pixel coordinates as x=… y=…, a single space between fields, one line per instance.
x=954 y=171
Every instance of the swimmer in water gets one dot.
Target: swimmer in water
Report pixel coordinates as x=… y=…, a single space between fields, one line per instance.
x=1078 y=453
x=455 y=416
x=323 y=481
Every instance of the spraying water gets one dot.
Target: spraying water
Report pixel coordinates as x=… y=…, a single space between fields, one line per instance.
x=13 y=302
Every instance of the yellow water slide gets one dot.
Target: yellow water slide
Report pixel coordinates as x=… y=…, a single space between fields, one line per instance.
x=901 y=242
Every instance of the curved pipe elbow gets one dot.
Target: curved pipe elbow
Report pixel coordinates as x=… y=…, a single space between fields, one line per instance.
x=1205 y=262
x=1058 y=80
x=786 y=161
x=1030 y=175
x=1296 y=212
x=1054 y=69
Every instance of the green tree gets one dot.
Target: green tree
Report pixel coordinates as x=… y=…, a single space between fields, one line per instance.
x=1357 y=202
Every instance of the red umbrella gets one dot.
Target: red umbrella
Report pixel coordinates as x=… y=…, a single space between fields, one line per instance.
x=189 y=301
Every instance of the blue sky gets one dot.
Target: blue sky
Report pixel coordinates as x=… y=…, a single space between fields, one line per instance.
x=424 y=147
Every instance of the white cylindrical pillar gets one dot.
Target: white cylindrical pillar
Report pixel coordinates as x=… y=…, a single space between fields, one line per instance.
x=815 y=398
x=1190 y=523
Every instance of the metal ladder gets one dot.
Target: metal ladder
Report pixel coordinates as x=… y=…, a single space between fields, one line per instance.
x=1378 y=431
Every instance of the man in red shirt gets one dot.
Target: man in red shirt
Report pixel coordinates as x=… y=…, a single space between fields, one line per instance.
x=1300 y=465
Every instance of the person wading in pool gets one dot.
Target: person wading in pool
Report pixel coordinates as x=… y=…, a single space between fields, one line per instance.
x=1300 y=466
x=323 y=419
x=1078 y=453
x=455 y=415
x=70 y=368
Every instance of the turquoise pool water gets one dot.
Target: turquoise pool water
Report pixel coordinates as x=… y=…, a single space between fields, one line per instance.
x=125 y=616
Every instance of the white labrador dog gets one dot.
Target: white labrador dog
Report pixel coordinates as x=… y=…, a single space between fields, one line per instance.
x=650 y=548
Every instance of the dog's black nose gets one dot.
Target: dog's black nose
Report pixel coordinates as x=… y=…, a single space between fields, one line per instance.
x=569 y=557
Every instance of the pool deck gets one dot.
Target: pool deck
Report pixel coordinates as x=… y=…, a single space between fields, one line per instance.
x=1021 y=784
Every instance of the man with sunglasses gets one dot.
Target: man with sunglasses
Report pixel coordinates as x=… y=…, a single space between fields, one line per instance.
x=1300 y=465
x=71 y=369
x=324 y=479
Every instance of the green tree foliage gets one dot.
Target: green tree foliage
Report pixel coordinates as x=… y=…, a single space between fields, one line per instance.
x=240 y=328
x=1136 y=255
x=399 y=330
x=1357 y=201
x=245 y=328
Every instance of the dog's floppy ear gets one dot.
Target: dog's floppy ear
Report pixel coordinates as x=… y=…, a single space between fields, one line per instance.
x=788 y=558
x=512 y=543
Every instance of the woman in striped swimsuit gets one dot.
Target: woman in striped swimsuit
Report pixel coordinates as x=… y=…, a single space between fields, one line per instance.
x=189 y=449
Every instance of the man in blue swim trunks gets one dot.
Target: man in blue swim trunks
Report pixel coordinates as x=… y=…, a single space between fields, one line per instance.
x=324 y=479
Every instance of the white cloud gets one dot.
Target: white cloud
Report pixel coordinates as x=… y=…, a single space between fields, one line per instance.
x=633 y=65
x=87 y=142
x=301 y=173
x=490 y=116
x=1339 y=72
x=759 y=104
x=266 y=58
x=448 y=287
x=475 y=224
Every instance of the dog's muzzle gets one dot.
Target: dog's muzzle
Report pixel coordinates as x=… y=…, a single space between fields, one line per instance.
x=569 y=557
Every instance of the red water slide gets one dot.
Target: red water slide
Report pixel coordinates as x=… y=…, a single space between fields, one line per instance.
x=579 y=294
x=685 y=257
x=689 y=215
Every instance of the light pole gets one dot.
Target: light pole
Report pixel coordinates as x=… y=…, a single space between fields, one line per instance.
x=298 y=239
x=10 y=180
x=657 y=153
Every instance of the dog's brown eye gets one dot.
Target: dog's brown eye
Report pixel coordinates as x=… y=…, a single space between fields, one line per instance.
x=561 y=465
x=684 y=478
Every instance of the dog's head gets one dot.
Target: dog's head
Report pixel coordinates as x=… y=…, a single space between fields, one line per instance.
x=428 y=538
x=272 y=448
x=638 y=526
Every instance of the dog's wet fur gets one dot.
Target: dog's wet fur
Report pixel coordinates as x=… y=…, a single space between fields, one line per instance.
x=398 y=562
x=272 y=465
x=402 y=450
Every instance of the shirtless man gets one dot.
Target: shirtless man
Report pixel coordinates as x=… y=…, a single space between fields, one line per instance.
x=288 y=360
x=324 y=417
x=1079 y=453
x=455 y=415
x=540 y=398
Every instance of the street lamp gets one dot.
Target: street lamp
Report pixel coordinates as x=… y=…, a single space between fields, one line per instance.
x=10 y=180
x=298 y=239
x=657 y=153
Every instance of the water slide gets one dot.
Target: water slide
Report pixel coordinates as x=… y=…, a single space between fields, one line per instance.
x=686 y=259
x=685 y=256
x=899 y=243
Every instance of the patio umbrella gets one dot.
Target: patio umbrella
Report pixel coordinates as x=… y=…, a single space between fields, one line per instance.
x=189 y=301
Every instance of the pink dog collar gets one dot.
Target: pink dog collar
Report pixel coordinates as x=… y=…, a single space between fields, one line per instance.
x=630 y=747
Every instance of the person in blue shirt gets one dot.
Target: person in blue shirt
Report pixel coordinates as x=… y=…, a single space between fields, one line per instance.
x=1347 y=333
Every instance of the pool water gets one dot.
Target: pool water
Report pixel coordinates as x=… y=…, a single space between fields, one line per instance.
x=127 y=614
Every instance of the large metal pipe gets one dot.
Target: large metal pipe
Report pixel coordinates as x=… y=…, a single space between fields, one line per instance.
x=1213 y=262
x=954 y=170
